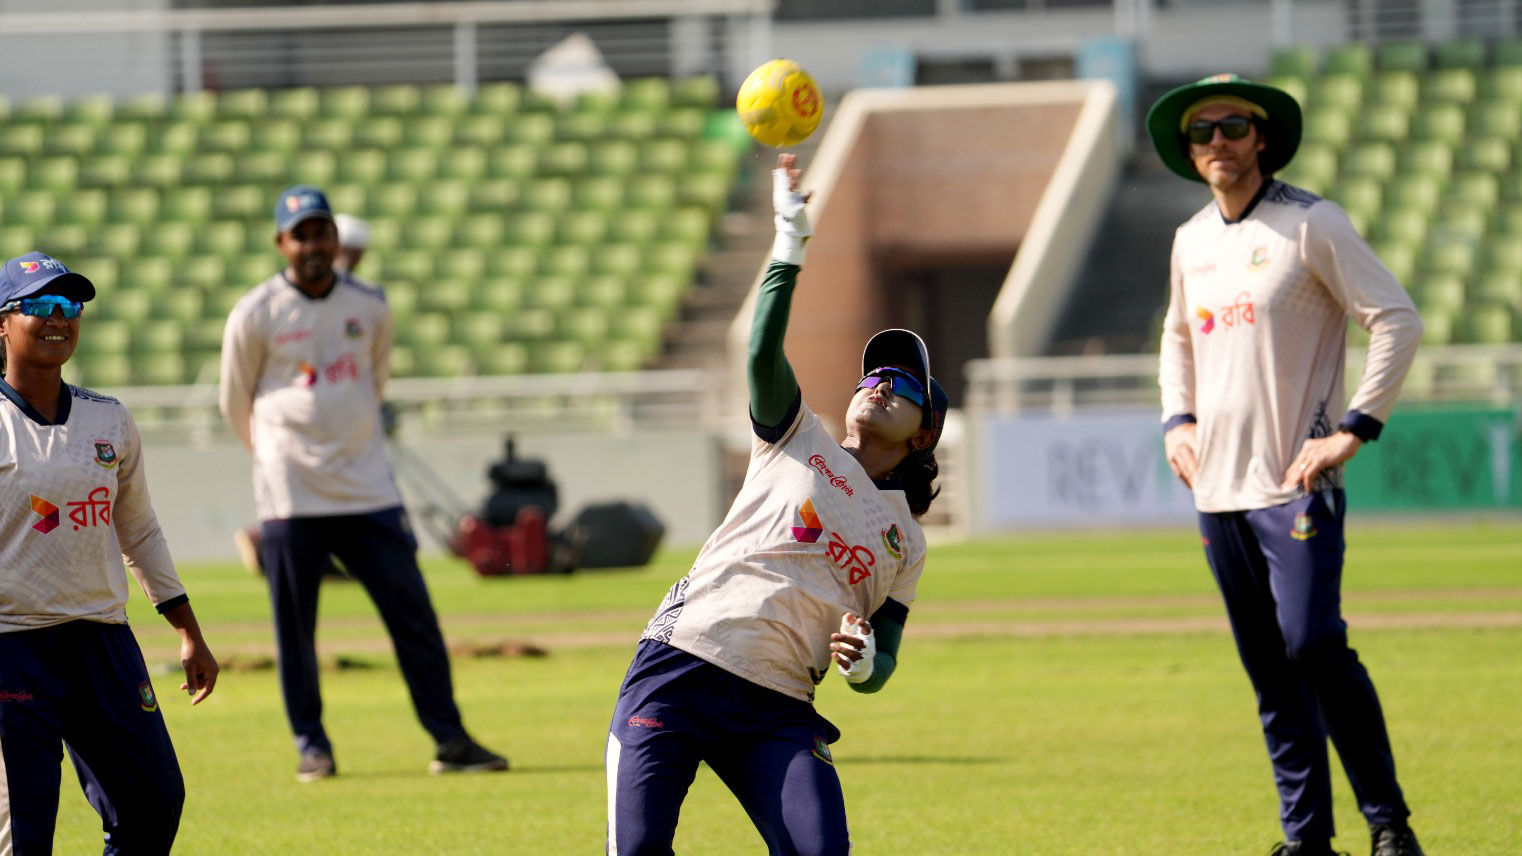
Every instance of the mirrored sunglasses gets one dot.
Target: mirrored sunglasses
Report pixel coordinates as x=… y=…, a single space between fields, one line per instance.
x=1202 y=131
x=904 y=384
x=42 y=307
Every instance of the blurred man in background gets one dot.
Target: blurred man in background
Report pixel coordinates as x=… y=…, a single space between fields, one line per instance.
x=1263 y=282
x=304 y=360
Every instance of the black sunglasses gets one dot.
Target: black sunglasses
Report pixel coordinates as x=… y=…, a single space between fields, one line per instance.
x=1202 y=131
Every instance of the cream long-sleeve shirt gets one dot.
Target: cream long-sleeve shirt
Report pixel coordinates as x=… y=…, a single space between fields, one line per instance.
x=301 y=386
x=1255 y=340
x=76 y=505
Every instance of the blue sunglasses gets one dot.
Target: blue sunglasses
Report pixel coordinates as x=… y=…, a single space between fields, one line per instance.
x=42 y=307
x=904 y=384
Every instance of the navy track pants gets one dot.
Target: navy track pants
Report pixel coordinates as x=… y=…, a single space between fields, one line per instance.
x=772 y=751
x=379 y=551
x=1280 y=572
x=83 y=685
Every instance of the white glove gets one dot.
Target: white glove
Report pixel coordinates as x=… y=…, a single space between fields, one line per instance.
x=861 y=669
x=792 y=221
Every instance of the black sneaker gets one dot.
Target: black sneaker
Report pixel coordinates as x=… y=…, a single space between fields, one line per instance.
x=1304 y=848
x=1393 y=840
x=315 y=765
x=464 y=755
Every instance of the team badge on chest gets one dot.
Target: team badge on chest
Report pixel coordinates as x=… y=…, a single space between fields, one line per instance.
x=352 y=328
x=105 y=454
x=893 y=542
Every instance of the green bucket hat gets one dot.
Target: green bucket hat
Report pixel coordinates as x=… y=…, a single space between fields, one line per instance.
x=1281 y=121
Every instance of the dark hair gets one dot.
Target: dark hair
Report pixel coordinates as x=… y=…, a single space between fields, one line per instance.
x=918 y=472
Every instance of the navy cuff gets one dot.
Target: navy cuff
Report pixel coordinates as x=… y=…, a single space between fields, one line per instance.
x=1175 y=421
x=1361 y=425
x=165 y=606
x=892 y=610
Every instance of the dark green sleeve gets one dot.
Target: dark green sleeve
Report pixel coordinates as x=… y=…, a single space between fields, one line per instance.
x=773 y=388
x=888 y=627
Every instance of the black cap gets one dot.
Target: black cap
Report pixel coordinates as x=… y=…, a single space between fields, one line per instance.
x=905 y=348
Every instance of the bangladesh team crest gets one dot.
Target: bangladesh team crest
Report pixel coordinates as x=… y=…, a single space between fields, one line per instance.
x=105 y=454
x=822 y=751
x=893 y=542
x=1305 y=527
x=352 y=329
x=150 y=701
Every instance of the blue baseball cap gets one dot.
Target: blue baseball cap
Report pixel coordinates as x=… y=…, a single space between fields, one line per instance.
x=905 y=348
x=298 y=203
x=24 y=276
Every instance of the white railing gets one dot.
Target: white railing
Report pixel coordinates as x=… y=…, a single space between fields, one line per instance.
x=1062 y=385
x=607 y=402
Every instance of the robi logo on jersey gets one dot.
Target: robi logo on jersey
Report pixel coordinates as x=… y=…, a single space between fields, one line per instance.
x=94 y=510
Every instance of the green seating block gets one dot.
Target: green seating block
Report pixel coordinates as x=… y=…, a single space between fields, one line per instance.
x=444 y=296
x=1296 y=61
x=1417 y=192
x=128 y=305
x=1459 y=222
x=512 y=263
x=103 y=335
x=73 y=140
x=344 y=102
x=189 y=204
x=653 y=192
x=211 y=168
x=1449 y=254
x=205 y=333
x=39 y=108
x=1501 y=119
x=398 y=99
x=1384 y=122
x=489 y=130
x=643 y=324
x=465 y=264
x=330 y=134
x=1396 y=88
x=150 y=106
x=1475 y=190
x=426 y=330
x=161 y=368
x=634 y=226
x=1503 y=256
x=12 y=174
x=690 y=225
x=598 y=193
x=568 y=262
x=227 y=134
x=181 y=306
x=550 y=293
x=613 y=157
x=1402 y=56
x=506 y=358
x=300 y=103
x=59 y=174
x=581 y=126
x=159 y=170
x=513 y=161
x=1456 y=85
x=531 y=323
x=535 y=129
x=558 y=357
x=1463 y=53
x=548 y=195
x=1444 y=122
x=362 y=166
x=638 y=125
x=152 y=275
x=498 y=98
x=98 y=372
x=1432 y=158
x=1488 y=154
x=381 y=132
x=588 y=326
x=105 y=170
x=1490 y=324
x=567 y=159
x=499 y=294
x=124 y=137
x=89 y=110
x=479 y=331
x=120 y=240
x=22 y=139
x=583 y=228
x=1501 y=287
x=428 y=133
x=445 y=101
x=494 y=195
x=701 y=91
x=646 y=94
x=275 y=135
x=85 y=207
x=33 y=208
x=203 y=273
x=607 y=292
x=1333 y=127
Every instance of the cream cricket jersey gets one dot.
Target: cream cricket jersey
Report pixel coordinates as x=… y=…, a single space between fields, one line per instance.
x=301 y=386
x=809 y=538
x=76 y=504
x=1255 y=340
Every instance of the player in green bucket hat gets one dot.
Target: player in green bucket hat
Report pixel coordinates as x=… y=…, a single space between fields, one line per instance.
x=1274 y=111
x=1263 y=282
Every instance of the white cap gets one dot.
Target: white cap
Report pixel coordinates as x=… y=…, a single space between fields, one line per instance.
x=352 y=231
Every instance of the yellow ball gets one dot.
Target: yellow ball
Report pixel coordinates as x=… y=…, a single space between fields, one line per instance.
x=780 y=104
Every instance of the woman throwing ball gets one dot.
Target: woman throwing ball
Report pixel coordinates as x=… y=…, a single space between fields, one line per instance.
x=816 y=562
x=76 y=505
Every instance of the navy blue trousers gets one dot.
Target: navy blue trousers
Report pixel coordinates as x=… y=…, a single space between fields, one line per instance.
x=1280 y=572
x=83 y=685
x=379 y=551
x=675 y=711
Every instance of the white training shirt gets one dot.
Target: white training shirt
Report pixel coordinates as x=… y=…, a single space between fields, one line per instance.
x=809 y=538
x=76 y=504
x=301 y=385
x=1255 y=340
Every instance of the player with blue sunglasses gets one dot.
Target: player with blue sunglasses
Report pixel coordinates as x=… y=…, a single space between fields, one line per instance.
x=72 y=461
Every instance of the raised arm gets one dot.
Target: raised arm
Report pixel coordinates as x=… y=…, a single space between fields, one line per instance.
x=773 y=388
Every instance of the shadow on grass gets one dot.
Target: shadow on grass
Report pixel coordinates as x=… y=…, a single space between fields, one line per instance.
x=920 y=759
x=411 y=773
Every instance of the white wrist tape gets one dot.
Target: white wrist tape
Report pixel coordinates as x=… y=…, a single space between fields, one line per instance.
x=791 y=220
x=860 y=670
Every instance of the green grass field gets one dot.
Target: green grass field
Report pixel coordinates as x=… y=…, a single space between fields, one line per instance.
x=1062 y=694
